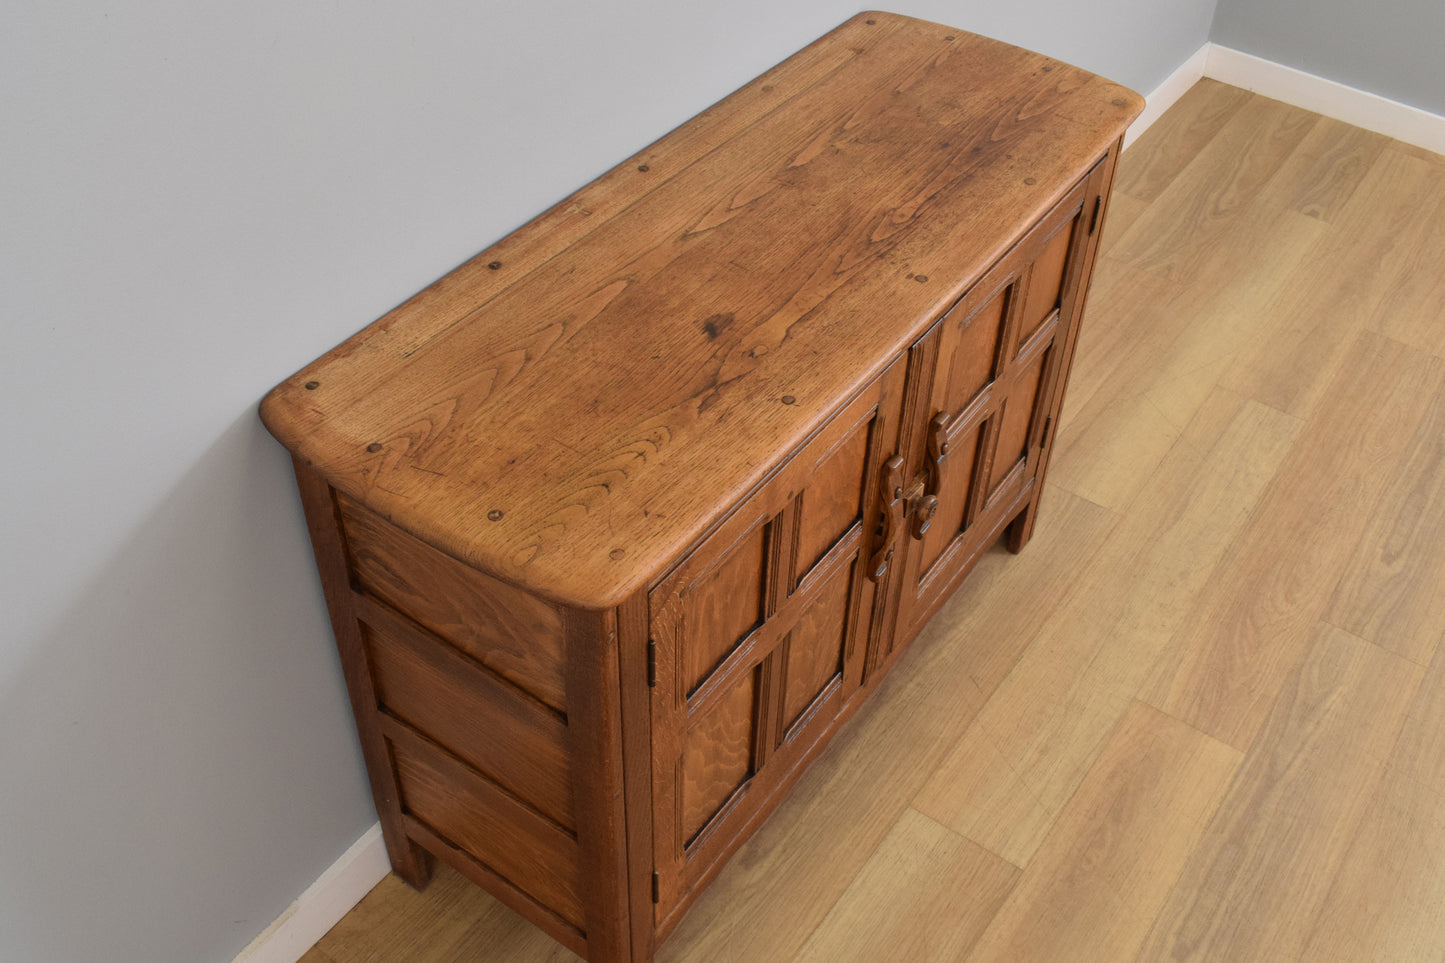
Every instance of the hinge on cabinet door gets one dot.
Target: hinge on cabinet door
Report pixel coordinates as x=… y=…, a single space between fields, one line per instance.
x=1044 y=438
x=656 y=886
x=1094 y=220
x=651 y=662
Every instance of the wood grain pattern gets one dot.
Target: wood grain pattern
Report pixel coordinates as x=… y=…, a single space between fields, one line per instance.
x=1121 y=841
x=1044 y=294
x=895 y=908
x=724 y=604
x=540 y=858
x=1305 y=328
x=1410 y=311
x=1328 y=167
x=817 y=647
x=595 y=738
x=1007 y=779
x=1385 y=902
x=1228 y=176
x=1292 y=811
x=1249 y=626
x=882 y=170
x=833 y=502
x=452 y=920
x=717 y=756
x=1132 y=396
x=1165 y=150
x=1393 y=591
x=519 y=744
x=514 y=634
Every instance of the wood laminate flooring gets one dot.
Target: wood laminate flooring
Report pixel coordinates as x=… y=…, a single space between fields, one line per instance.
x=1226 y=741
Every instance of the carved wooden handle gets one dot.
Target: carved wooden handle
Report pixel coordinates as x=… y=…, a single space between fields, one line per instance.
x=890 y=488
x=923 y=511
x=937 y=451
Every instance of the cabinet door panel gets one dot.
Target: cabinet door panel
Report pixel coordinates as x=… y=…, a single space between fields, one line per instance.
x=816 y=650
x=957 y=499
x=760 y=634
x=724 y=604
x=717 y=758
x=972 y=352
x=833 y=501
x=988 y=372
x=1047 y=281
x=1019 y=411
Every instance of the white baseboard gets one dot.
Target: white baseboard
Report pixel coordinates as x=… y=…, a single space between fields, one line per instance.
x=325 y=901
x=1161 y=98
x=1370 y=111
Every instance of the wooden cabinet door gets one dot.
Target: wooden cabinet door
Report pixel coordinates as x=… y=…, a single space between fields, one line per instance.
x=760 y=634
x=988 y=373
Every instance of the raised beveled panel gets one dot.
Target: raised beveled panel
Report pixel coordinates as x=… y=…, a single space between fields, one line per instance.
x=517 y=743
x=724 y=604
x=833 y=500
x=471 y=813
x=1015 y=419
x=717 y=755
x=974 y=353
x=1046 y=281
x=514 y=634
x=817 y=646
x=955 y=495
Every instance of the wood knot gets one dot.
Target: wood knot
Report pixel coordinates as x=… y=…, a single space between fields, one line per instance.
x=716 y=325
x=311 y=385
x=616 y=554
x=495 y=265
x=374 y=447
x=495 y=515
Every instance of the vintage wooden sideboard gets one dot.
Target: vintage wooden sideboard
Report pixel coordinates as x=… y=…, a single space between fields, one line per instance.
x=618 y=521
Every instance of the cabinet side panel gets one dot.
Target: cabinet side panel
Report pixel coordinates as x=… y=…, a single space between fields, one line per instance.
x=323 y=522
x=516 y=635
x=470 y=813
x=511 y=739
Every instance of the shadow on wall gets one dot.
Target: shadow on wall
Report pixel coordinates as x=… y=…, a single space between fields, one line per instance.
x=149 y=793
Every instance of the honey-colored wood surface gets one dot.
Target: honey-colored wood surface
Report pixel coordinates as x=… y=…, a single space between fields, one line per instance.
x=550 y=413
x=1202 y=715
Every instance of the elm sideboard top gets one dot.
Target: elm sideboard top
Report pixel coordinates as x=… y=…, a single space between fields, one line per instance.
x=545 y=412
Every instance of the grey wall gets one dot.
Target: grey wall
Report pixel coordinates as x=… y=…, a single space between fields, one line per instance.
x=1135 y=42
x=1394 y=48
x=195 y=200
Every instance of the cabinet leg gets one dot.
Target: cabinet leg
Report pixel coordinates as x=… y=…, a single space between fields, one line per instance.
x=1021 y=529
x=410 y=862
